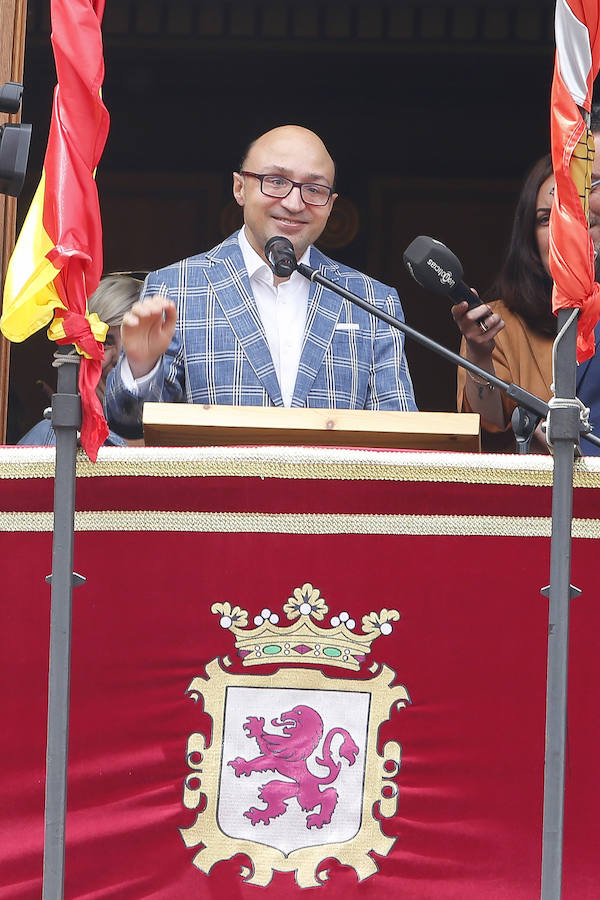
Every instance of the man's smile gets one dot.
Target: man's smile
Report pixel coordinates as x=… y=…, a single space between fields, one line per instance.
x=289 y=223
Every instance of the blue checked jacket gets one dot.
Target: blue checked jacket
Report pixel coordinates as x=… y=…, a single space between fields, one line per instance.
x=219 y=353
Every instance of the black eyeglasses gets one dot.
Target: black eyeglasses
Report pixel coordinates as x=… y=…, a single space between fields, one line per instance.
x=278 y=186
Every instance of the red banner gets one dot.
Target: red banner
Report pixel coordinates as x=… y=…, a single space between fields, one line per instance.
x=298 y=667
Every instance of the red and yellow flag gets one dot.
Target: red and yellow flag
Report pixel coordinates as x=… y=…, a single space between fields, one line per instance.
x=57 y=261
x=571 y=250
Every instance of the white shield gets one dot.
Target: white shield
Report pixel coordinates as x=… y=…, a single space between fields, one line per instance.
x=238 y=794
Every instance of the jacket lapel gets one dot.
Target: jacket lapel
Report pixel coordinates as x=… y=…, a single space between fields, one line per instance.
x=323 y=313
x=227 y=275
x=584 y=368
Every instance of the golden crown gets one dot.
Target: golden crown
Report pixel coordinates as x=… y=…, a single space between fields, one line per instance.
x=304 y=641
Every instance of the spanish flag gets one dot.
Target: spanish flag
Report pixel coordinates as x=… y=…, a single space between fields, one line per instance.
x=57 y=261
x=577 y=61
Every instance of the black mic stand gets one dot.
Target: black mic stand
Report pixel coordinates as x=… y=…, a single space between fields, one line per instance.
x=534 y=405
x=524 y=423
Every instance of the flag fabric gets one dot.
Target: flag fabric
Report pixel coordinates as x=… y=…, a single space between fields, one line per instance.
x=571 y=249
x=57 y=261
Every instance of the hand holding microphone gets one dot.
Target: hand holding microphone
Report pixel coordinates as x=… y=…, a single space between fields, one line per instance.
x=477 y=330
x=437 y=269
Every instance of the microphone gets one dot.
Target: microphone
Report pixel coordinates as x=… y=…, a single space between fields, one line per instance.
x=280 y=254
x=437 y=269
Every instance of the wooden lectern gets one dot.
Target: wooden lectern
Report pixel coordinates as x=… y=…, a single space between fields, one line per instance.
x=194 y=425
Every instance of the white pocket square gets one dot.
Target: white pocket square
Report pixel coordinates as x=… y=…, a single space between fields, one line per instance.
x=347 y=326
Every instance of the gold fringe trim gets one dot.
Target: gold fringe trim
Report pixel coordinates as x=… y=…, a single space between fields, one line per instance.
x=301 y=463
x=309 y=523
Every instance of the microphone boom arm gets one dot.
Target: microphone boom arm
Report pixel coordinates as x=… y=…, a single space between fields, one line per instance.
x=522 y=397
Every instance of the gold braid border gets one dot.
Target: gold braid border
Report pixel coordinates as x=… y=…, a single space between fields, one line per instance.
x=296 y=523
x=301 y=463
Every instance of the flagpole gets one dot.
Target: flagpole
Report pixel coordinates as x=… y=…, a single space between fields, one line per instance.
x=66 y=419
x=563 y=434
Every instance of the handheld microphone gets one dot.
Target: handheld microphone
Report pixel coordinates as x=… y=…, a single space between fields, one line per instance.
x=437 y=269
x=280 y=254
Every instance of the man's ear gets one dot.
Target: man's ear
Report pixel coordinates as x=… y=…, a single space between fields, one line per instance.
x=238 y=189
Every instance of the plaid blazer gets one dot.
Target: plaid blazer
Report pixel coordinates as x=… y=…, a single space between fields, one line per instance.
x=219 y=353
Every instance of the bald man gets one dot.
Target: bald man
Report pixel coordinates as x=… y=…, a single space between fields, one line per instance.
x=219 y=327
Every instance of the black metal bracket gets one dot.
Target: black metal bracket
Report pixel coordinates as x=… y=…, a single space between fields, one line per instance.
x=15 y=139
x=77 y=579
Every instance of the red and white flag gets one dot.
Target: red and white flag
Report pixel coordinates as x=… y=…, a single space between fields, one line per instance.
x=57 y=261
x=571 y=250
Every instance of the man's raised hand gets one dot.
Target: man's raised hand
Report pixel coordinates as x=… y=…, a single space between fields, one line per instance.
x=146 y=332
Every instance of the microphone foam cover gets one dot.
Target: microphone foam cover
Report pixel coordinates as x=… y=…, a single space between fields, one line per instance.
x=433 y=265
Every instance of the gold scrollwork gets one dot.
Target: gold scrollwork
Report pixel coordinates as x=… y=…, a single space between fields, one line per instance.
x=192 y=795
x=390 y=766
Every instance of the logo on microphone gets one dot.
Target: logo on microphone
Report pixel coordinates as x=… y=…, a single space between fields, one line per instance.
x=444 y=275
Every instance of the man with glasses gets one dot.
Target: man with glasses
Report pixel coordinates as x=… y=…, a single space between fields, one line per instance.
x=221 y=328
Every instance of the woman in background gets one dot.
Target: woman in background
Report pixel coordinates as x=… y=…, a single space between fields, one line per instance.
x=514 y=341
x=113 y=297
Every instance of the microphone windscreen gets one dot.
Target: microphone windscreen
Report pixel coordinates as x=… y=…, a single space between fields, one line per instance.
x=433 y=265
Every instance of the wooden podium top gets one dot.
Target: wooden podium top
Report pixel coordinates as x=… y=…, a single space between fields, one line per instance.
x=195 y=425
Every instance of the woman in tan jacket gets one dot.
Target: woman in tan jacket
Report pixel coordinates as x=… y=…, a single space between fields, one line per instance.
x=514 y=341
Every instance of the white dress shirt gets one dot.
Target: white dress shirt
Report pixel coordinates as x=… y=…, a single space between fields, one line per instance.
x=282 y=309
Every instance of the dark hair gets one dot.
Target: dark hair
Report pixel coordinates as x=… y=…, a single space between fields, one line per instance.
x=595 y=118
x=523 y=283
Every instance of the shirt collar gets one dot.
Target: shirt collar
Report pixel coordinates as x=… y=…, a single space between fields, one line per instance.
x=255 y=264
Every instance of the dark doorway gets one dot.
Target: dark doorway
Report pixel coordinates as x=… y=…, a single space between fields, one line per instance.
x=432 y=111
